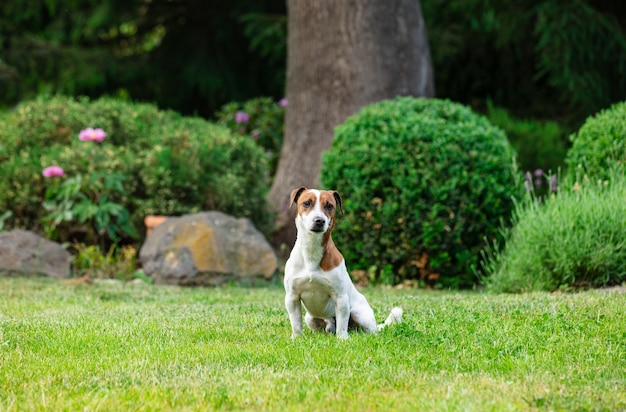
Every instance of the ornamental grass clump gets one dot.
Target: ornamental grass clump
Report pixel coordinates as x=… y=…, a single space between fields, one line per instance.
x=573 y=239
x=424 y=183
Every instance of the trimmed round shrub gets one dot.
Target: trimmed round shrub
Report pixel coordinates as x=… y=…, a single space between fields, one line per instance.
x=599 y=145
x=172 y=164
x=424 y=182
x=574 y=239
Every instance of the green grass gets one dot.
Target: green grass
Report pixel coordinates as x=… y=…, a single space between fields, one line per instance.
x=156 y=348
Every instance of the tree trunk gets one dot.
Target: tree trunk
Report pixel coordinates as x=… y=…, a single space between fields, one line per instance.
x=341 y=56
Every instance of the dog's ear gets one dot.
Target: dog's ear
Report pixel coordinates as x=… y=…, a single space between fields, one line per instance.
x=295 y=194
x=338 y=200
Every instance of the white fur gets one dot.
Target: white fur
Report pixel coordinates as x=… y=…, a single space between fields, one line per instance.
x=329 y=297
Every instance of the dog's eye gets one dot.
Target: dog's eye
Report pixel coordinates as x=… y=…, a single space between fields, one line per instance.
x=329 y=207
x=307 y=203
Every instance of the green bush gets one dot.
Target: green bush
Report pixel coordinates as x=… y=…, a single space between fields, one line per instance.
x=599 y=145
x=538 y=144
x=172 y=164
x=116 y=263
x=261 y=119
x=574 y=239
x=424 y=183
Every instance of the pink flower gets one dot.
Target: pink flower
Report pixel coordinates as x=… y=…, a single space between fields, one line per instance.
x=53 y=171
x=242 y=117
x=91 y=134
x=283 y=102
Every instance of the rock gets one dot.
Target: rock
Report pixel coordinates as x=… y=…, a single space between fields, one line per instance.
x=25 y=253
x=206 y=249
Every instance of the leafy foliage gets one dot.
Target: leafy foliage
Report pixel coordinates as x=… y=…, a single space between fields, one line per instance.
x=586 y=77
x=571 y=240
x=261 y=119
x=7 y=214
x=116 y=263
x=538 y=144
x=87 y=200
x=172 y=164
x=424 y=182
x=267 y=33
x=187 y=55
x=538 y=58
x=600 y=144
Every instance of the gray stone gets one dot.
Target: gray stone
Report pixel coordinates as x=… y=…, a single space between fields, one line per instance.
x=206 y=249
x=25 y=253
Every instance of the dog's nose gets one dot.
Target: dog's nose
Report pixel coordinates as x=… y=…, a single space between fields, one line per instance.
x=318 y=223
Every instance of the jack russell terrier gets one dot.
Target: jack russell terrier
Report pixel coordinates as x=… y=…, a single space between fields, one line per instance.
x=316 y=274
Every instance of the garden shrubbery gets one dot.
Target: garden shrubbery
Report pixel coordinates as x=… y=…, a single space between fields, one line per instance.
x=574 y=239
x=599 y=145
x=538 y=144
x=425 y=182
x=162 y=162
x=261 y=119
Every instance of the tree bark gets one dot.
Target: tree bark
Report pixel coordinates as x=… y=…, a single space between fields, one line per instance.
x=341 y=56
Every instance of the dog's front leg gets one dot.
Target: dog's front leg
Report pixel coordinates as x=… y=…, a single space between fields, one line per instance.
x=342 y=314
x=294 y=308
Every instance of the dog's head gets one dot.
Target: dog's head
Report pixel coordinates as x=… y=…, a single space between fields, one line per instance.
x=316 y=209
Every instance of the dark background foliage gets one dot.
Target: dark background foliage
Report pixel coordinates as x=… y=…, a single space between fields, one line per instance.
x=188 y=55
x=540 y=58
x=548 y=59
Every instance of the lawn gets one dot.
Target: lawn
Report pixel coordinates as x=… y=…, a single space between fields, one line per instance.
x=155 y=348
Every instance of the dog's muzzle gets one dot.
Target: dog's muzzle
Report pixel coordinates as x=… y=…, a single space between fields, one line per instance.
x=318 y=225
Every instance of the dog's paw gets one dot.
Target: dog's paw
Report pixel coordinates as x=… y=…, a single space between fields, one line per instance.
x=331 y=326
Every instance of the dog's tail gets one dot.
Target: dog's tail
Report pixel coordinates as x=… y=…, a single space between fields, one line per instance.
x=394 y=317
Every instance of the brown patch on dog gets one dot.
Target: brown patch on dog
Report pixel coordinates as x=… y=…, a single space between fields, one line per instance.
x=295 y=195
x=306 y=202
x=332 y=257
x=330 y=201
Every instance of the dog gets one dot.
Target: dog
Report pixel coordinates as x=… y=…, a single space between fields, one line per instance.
x=316 y=276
